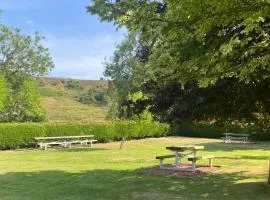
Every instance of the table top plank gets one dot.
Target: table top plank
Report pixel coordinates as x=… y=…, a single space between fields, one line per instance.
x=184 y=148
x=236 y=134
x=64 y=137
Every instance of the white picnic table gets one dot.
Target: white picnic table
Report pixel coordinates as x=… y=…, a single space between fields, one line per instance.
x=181 y=152
x=65 y=141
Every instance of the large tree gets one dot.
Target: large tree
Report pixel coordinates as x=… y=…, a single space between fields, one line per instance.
x=22 y=58
x=186 y=46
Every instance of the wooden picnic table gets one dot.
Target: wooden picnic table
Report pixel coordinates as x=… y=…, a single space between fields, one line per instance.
x=65 y=141
x=180 y=152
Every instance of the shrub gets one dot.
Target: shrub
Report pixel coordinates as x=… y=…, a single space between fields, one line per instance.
x=206 y=130
x=14 y=135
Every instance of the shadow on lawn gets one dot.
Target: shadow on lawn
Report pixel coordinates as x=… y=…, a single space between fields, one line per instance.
x=123 y=184
x=82 y=149
x=220 y=146
x=245 y=158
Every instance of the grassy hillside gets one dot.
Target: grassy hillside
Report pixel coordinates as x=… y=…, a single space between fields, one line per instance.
x=61 y=99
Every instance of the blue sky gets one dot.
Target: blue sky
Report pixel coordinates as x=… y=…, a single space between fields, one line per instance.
x=78 y=41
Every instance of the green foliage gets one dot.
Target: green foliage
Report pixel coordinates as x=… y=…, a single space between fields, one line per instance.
x=14 y=135
x=93 y=96
x=4 y=94
x=72 y=84
x=184 y=46
x=203 y=40
x=21 y=58
x=124 y=69
x=207 y=130
x=24 y=105
x=28 y=103
x=138 y=113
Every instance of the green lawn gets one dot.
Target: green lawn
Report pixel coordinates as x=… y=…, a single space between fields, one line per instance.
x=106 y=172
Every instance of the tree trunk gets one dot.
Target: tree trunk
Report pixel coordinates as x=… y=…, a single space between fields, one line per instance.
x=122 y=142
x=269 y=173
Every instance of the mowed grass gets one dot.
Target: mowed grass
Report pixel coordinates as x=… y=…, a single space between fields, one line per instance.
x=65 y=109
x=105 y=172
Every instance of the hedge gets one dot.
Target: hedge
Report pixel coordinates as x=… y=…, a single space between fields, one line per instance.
x=212 y=131
x=15 y=135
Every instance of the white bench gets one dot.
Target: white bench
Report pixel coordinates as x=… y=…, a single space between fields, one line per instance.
x=65 y=141
x=194 y=159
x=233 y=137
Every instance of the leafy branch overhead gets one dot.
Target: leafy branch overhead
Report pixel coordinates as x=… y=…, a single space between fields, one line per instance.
x=202 y=40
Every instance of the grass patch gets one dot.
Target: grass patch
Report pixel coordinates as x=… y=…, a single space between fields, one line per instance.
x=106 y=172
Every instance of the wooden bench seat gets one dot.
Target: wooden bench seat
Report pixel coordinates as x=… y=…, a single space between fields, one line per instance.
x=161 y=158
x=196 y=158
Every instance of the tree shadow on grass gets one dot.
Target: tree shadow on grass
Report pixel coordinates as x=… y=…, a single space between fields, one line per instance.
x=220 y=146
x=83 y=149
x=244 y=158
x=124 y=184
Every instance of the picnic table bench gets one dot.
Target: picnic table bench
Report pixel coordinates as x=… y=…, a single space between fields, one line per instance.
x=180 y=152
x=233 y=137
x=65 y=141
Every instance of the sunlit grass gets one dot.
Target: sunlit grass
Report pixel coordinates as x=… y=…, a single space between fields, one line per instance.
x=106 y=172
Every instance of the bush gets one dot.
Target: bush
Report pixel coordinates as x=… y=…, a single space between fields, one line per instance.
x=15 y=135
x=206 y=130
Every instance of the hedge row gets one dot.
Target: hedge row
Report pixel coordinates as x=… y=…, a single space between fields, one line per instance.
x=211 y=131
x=14 y=135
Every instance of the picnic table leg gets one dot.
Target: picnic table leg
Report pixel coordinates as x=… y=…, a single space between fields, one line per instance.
x=161 y=164
x=194 y=161
x=210 y=162
x=177 y=159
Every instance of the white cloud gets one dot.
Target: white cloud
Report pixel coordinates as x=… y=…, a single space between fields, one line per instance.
x=29 y=22
x=80 y=57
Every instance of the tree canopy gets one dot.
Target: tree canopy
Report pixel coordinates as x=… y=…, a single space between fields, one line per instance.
x=22 y=58
x=198 y=59
x=203 y=40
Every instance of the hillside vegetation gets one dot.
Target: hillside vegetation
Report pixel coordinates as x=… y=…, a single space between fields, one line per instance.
x=74 y=100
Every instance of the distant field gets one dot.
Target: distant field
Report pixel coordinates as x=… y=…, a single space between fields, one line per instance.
x=59 y=100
